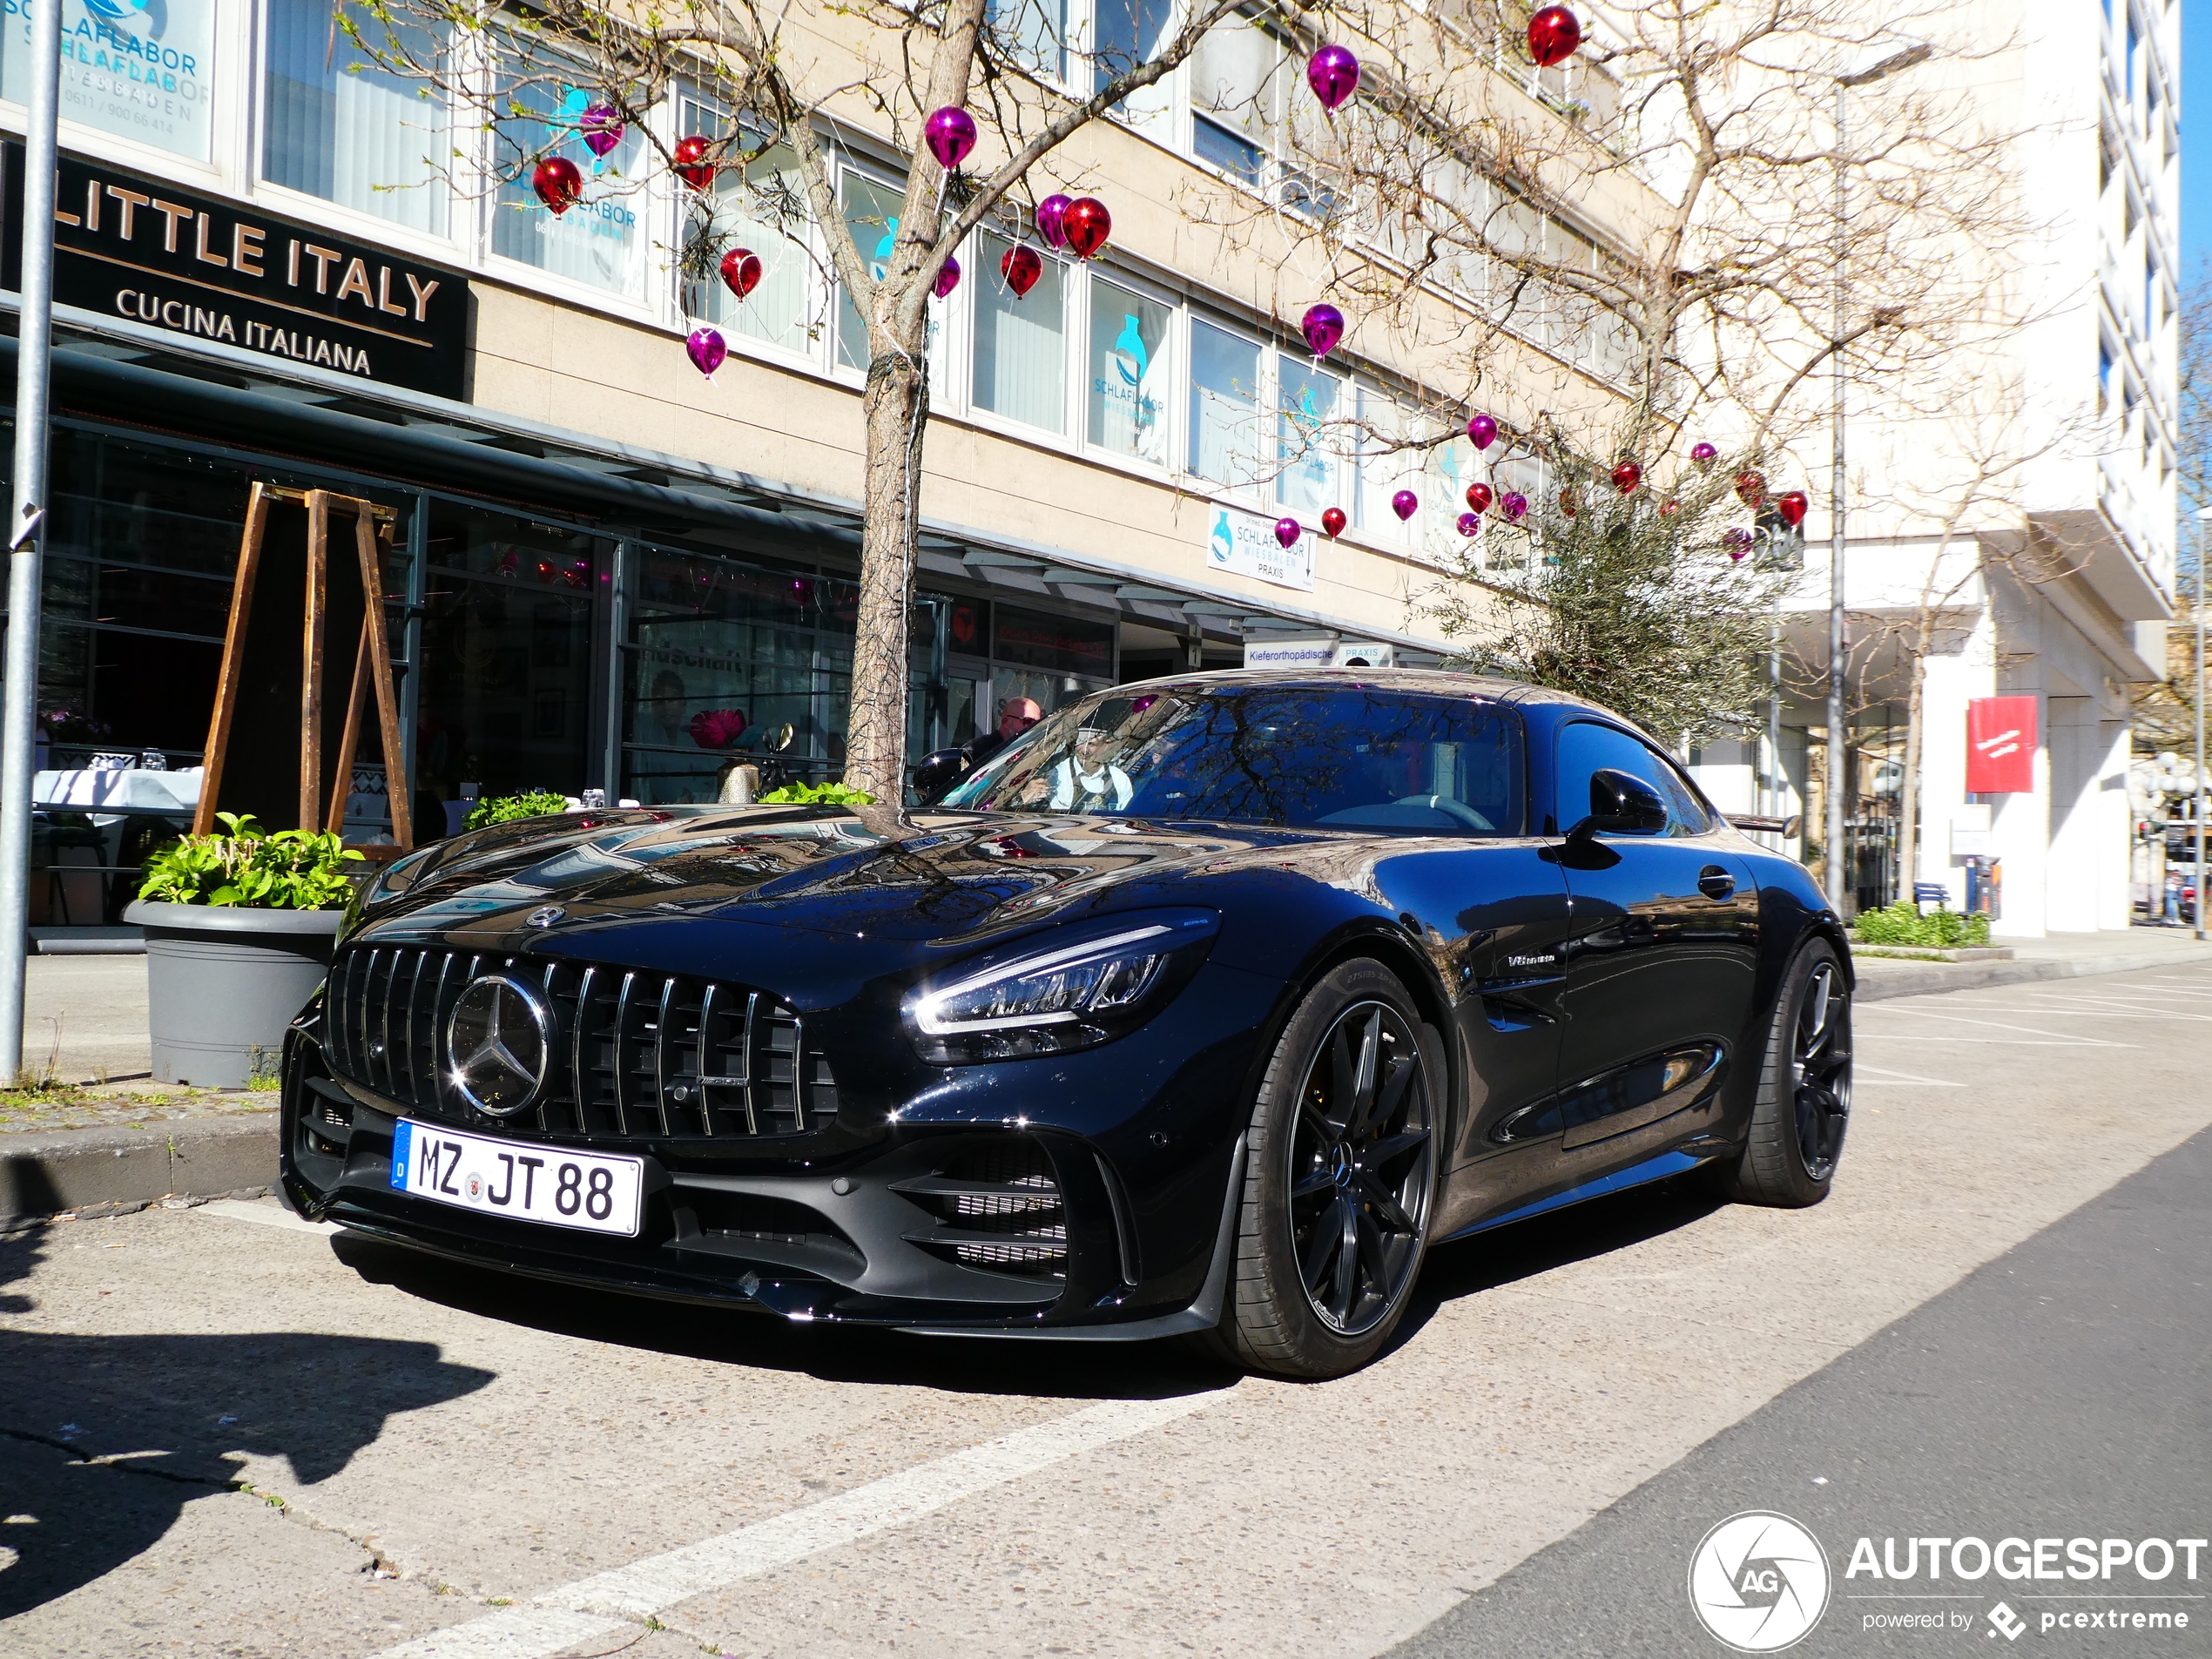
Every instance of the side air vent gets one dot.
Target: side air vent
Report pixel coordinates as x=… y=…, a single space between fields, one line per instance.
x=998 y=1207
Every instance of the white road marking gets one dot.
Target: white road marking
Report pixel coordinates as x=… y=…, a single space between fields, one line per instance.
x=1880 y=1077
x=267 y=1215
x=2001 y=1043
x=604 y=1602
x=2034 y=1032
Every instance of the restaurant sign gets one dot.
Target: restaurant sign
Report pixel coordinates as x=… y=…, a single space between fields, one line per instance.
x=209 y=269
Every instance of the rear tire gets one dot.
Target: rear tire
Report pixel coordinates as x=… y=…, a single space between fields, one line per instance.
x=1804 y=1104
x=1339 y=1180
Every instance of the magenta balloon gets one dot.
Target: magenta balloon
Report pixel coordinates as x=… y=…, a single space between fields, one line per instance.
x=707 y=349
x=1703 y=454
x=1287 y=530
x=1333 y=73
x=1051 y=213
x=948 y=277
x=1483 y=430
x=1324 y=327
x=1514 y=506
x=950 y=133
x=602 y=128
x=1470 y=523
x=1405 y=503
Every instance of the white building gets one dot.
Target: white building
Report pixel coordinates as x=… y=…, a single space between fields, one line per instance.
x=2061 y=587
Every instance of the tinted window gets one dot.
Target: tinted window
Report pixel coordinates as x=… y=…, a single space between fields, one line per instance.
x=1585 y=748
x=1339 y=758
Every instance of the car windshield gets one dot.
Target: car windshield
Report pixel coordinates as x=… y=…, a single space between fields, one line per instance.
x=1340 y=757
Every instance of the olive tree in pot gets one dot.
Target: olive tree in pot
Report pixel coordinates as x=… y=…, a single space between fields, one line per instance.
x=239 y=926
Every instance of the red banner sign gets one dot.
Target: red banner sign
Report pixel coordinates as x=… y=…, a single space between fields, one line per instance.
x=2000 y=746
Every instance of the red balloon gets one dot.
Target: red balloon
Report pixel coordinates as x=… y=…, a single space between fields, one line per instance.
x=741 y=271
x=1791 y=505
x=1333 y=521
x=1627 y=477
x=1669 y=510
x=1566 y=507
x=692 y=164
x=1750 y=488
x=1554 y=33
x=1479 y=497
x=1087 y=225
x=1020 y=266
x=557 y=183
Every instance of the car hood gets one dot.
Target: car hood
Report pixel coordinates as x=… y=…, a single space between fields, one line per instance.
x=606 y=890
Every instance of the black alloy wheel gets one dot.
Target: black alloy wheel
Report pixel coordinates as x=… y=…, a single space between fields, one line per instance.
x=1340 y=1176
x=1359 y=1168
x=1802 y=1109
x=1820 y=1069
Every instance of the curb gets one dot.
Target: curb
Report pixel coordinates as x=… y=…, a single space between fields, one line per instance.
x=113 y=1171
x=1894 y=977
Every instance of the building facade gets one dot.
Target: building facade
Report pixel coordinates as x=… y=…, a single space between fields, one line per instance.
x=2056 y=584
x=258 y=278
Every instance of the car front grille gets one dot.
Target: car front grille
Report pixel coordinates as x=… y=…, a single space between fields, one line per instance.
x=662 y=1056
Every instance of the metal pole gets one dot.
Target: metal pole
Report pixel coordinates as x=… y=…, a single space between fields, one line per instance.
x=27 y=529
x=1837 y=744
x=2197 y=604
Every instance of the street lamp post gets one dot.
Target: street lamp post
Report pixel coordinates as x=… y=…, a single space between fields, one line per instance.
x=2196 y=605
x=1837 y=740
x=26 y=533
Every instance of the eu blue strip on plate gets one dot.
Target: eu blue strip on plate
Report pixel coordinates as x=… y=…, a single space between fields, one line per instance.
x=402 y=1150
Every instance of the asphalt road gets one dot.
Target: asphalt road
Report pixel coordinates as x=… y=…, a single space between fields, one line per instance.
x=223 y=1434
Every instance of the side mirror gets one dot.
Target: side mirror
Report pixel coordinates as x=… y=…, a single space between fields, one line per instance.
x=934 y=775
x=1620 y=804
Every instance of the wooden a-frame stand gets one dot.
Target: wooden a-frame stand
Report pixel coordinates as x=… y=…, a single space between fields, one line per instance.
x=371 y=662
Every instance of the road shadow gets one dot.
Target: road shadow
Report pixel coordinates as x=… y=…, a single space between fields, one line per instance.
x=983 y=1364
x=746 y=1337
x=104 y=1440
x=1524 y=1248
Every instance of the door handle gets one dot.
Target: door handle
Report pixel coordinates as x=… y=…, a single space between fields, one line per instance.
x=1715 y=883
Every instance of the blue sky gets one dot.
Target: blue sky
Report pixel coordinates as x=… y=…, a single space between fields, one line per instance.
x=2196 y=138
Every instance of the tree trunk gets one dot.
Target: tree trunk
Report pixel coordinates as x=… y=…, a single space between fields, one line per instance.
x=1908 y=787
x=894 y=409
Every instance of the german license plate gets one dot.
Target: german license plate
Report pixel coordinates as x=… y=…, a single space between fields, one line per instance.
x=535 y=1182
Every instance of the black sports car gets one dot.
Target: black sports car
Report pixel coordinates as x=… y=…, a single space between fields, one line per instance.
x=1204 y=1007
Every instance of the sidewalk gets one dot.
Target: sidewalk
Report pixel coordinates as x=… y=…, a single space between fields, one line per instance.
x=2055 y=956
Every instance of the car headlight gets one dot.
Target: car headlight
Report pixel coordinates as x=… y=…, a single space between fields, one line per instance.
x=1050 y=997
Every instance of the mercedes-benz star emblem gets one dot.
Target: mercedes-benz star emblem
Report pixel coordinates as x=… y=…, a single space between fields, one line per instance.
x=545 y=916
x=497 y=1044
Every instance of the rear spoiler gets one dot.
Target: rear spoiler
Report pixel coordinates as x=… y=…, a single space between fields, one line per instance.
x=1785 y=827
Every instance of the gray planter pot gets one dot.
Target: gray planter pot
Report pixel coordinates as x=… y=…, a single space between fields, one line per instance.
x=222 y=985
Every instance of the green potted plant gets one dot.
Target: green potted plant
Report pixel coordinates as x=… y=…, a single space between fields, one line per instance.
x=239 y=926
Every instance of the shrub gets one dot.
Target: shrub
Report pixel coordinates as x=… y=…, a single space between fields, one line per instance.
x=817 y=795
x=245 y=866
x=1903 y=924
x=505 y=809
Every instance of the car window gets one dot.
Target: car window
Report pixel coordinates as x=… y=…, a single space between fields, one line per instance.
x=1585 y=748
x=1337 y=757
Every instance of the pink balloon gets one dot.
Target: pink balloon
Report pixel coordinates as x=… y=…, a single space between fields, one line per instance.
x=1287 y=530
x=600 y=127
x=1324 y=327
x=1470 y=523
x=948 y=277
x=950 y=133
x=707 y=349
x=1483 y=430
x=1703 y=454
x=1515 y=506
x=1333 y=73
x=1405 y=503
x=1052 y=214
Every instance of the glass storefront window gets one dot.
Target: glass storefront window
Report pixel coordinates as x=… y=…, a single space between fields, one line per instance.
x=600 y=240
x=143 y=72
x=1129 y=373
x=872 y=214
x=1020 y=343
x=505 y=702
x=1224 y=402
x=337 y=126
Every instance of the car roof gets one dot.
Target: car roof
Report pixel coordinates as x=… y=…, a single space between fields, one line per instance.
x=1436 y=681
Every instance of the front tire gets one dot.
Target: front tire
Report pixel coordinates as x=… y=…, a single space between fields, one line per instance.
x=1339 y=1180
x=1803 y=1105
